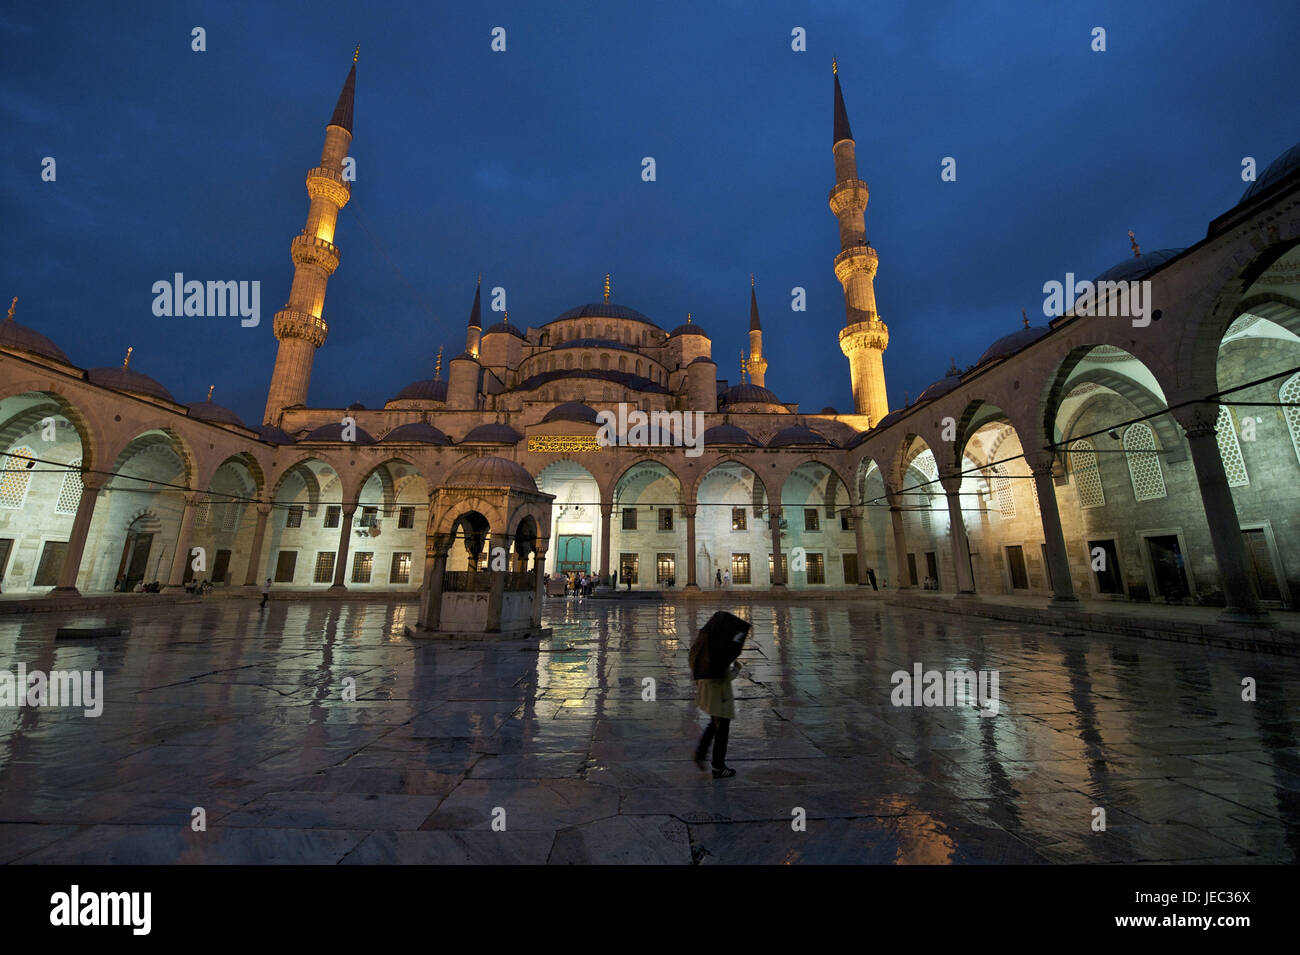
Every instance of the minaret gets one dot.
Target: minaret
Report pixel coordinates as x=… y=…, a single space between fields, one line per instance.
x=757 y=363
x=864 y=337
x=474 y=331
x=300 y=327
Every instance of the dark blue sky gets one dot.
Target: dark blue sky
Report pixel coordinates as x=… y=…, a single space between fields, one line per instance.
x=526 y=166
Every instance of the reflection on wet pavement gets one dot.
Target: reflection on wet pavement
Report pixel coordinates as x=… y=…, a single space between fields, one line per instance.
x=567 y=752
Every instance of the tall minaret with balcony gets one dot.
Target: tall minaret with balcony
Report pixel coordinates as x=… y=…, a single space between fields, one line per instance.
x=757 y=363
x=864 y=337
x=299 y=326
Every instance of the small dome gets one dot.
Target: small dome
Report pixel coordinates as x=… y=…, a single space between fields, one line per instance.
x=748 y=393
x=334 y=432
x=800 y=436
x=489 y=472
x=603 y=310
x=1008 y=345
x=493 y=434
x=889 y=419
x=828 y=410
x=1136 y=266
x=129 y=380
x=730 y=434
x=431 y=389
x=504 y=328
x=418 y=431
x=1277 y=170
x=270 y=433
x=941 y=387
x=207 y=411
x=356 y=406
x=702 y=358
x=690 y=328
x=857 y=439
x=571 y=411
x=466 y=356
x=21 y=338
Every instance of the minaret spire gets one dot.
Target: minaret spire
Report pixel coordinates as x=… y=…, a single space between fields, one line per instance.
x=864 y=337
x=757 y=363
x=300 y=326
x=474 y=331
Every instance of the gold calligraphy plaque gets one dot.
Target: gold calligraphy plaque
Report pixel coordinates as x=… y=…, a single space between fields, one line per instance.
x=563 y=443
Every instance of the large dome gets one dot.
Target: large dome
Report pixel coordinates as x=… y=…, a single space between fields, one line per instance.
x=21 y=338
x=1277 y=170
x=748 y=393
x=431 y=389
x=603 y=310
x=489 y=472
x=128 y=380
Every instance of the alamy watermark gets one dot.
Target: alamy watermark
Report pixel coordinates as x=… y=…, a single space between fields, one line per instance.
x=1128 y=299
x=946 y=688
x=195 y=299
x=84 y=689
x=657 y=429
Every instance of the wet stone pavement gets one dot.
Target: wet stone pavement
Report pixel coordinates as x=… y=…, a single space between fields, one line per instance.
x=242 y=712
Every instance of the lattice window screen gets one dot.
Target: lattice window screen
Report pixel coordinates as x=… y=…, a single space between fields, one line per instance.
x=1003 y=491
x=1290 y=393
x=1087 y=478
x=70 y=491
x=16 y=477
x=1230 y=449
x=1143 y=464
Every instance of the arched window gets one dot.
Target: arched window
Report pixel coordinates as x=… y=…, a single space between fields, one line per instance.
x=70 y=491
x=586 y=362
x=568 y=362
x=638 y=371
x=622 y=362
x=1087 y=479
x=1289 y=393
x=17 y=475
x=604 y=362
x=1144 y=463
x=1234 y=466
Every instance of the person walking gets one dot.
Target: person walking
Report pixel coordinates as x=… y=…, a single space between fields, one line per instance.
x=726 y=579
x=266 y=593
x=871 y=576
x=714 y=665
x=718 y=576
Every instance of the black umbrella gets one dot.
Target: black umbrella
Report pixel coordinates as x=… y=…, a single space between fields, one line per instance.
x=717 y=645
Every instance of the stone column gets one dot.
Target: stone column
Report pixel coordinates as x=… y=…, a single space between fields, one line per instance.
x=90 y=487
x=539 y=584
x=774 y=524
x=176 y=579
x=859 y=512
x=901 y=578
x=345 y=541
x=951 y=482
x=606 y=510
x=1239 y=590
x=691 y=571
x=497 y=593
x=259 y=536
x=431 y=598
x=1058 y=563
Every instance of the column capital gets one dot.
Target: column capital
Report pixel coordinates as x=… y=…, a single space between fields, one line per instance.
x=1199 y=420
x=689 y=509
x=950 y=480
x=193 y=499
x=264 y=508
x=349 y=508
x=1040 y=461
x=93 y=480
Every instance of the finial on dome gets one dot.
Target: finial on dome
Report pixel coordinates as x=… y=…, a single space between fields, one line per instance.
x=835 y=67
x=688 y=318
x=437 y=366
x=606 y=288
x=210 y=387
x=952 y=368
x=356 y=53
x=126 y=362
x=1025 y=316
x=1137 y=249
x=751 y=279
x=12 y=306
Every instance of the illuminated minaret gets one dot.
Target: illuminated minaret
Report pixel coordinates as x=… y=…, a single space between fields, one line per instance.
x=864 y=337
x=474 y=330
x=757 y=363
x=299 y=326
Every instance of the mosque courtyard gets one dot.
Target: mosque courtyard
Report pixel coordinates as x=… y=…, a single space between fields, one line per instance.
x=318 y=731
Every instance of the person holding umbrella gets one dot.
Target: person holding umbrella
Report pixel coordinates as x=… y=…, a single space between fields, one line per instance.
x=714 y=665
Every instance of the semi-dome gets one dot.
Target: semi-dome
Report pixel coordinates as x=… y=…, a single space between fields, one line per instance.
x=21 y=338
x=800 y=436
x=748 y=393
x=493 y=434
x=1136 y=266
x=270 y=433
x=603 y=310
x=208 y=411
x=730 y=434
x=129 y=380
x=431 y=389
x=1277 y=170
x=334 y=432
x=489 y=472
x=418 y=431
x=689 y=328
x=571 y=411
x=1009 y=345
x=504 y=328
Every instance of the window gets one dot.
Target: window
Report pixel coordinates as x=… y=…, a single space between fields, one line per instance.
x=1230 y=449
x=324 y=567
x=294 y=517
x=1104 y=561
x=405 y=517
x=816 y=569
x=361 y=566
x=771 y=568
x=811 y=522
x=740 y=568
x=844 y=523
x=1016 y=567
x=369 y=516
x=665 y=518
x=1144 y=463
x=285 y=564
x=1087 y=479
x=629 y=518
x=220 y=567
x=70 y=491
x=400 y=573
x=332 y=515
x=17 y=475
x=911 y=570
x=665 y=567
x=52 y=556
x=627 y=568
x=738 y=521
